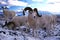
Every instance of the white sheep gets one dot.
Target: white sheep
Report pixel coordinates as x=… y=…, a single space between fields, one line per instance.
x=31 y=20
x=8 y=14
x=24 y=20
x=17 y=21
x=44 y=21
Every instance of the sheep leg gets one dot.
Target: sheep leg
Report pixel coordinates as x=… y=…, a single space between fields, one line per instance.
x=48 y=29
x=33 y=33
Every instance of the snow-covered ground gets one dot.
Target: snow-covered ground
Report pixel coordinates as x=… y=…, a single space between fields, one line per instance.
x=6 y=34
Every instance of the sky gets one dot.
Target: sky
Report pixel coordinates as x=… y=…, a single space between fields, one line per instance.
x=44 y=5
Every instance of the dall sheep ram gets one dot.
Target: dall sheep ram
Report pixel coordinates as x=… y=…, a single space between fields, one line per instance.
x=45 y=21
x=23 y=20
x=8 y=14
x=31 y=20
x=17 y=21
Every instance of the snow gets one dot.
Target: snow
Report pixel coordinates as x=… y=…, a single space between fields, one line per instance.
x=6 y=34
x=52 y=38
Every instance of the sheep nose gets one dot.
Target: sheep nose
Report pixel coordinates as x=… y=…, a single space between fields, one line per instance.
x=34 y=16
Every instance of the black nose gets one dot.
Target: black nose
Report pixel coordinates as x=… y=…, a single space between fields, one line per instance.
x=34 y=16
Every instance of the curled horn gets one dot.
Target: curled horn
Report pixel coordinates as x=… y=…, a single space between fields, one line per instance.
x=27 y=8
x=35 y=9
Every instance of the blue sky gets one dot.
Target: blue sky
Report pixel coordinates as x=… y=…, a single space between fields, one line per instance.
x=44 y=5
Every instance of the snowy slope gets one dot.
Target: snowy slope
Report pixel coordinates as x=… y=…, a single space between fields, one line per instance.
x=6 y=34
